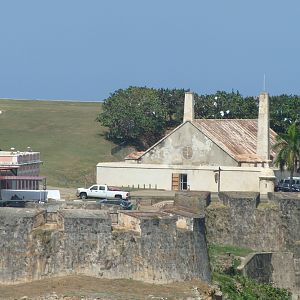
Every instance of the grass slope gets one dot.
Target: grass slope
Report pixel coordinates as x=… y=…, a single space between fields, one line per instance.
x=70 y=141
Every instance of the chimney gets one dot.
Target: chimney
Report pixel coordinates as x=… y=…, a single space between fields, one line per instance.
x=188 y=114
x=263 y=125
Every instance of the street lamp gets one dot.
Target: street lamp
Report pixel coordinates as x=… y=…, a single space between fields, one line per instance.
x=218 y=178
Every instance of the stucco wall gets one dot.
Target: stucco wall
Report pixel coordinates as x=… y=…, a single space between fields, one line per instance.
x=160 y=176
x=202 y=151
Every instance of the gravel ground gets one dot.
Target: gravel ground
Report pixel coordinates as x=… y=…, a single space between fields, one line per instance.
x=89 y=288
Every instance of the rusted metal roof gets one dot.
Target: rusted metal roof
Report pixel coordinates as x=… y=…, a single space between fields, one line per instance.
x=135 y=155
x=237 y=137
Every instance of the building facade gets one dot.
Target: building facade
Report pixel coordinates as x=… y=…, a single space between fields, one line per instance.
x=202 y=154
x=20 y=170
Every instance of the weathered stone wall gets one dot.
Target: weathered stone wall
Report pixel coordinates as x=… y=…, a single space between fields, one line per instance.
x=239 y=219
x=161 y=253
x=16 y=226
x=289 y=209
x=258 y=266
x=86 y=243
x=195 y=200
x=267 y=267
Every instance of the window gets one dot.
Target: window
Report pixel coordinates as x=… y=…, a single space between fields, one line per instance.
x=94 y=188
x=183 y=182
x=102 y=188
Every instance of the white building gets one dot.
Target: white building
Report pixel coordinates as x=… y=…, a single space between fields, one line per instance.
x=20 y=170
x=202 y=154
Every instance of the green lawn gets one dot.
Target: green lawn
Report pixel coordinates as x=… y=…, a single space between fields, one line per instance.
x=71 y=142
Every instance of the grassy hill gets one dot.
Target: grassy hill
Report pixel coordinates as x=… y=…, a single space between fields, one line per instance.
x=70 y=141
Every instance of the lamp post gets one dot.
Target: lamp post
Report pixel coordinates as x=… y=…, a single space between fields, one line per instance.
x=218 y=178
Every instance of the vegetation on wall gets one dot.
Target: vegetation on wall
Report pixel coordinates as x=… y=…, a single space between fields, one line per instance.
x=242 y=288
x=140 y=116
x=224 y=262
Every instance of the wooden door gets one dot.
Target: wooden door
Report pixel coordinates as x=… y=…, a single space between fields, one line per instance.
x=175 y=181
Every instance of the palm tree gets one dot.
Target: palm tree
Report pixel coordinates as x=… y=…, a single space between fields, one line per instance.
x=288 y=145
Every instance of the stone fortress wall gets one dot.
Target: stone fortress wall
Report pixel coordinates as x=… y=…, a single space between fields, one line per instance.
x=36 y=243
x=241 y=219
x=158 y=247
x=271 y=228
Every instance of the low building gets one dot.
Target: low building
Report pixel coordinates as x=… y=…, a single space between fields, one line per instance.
x=20 y=170
x=202 y=154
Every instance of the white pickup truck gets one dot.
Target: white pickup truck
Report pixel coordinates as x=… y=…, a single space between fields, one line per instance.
x=101 y=191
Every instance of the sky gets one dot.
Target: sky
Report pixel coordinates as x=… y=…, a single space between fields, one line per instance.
x=85 y=50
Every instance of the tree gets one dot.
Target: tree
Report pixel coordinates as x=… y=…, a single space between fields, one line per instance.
x=288 y=146
x=172 y=100
x=134 y=116
x=140 y=116
x=284 y=110
x=225 y=105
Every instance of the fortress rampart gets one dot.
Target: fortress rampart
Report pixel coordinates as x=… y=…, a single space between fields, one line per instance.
x=240 y=219
x=272 y=228
x=158 y=247
x=36 y=244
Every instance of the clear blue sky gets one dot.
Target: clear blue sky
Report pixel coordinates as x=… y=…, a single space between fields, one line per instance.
x=86 y=49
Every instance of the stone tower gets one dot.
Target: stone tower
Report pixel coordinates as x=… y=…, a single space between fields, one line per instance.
x=188 y=114
x=263 y=132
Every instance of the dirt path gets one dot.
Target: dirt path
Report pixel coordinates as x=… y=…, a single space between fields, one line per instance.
x=84 y=287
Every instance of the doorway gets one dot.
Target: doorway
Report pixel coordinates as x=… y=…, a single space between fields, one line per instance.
x=179 y=182
x=183 y=182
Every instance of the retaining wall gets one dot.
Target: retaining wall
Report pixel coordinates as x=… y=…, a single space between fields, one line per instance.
x=85 y=242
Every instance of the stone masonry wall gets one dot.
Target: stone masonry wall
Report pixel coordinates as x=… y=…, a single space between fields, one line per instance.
x=240 y=220
x=87 y=244
x=274 y=226
x=16 y=226
x=276 y=268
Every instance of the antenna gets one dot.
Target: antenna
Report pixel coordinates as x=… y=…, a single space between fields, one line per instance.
x=264 y=83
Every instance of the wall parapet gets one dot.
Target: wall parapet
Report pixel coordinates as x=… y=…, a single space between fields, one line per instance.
x=85 y=243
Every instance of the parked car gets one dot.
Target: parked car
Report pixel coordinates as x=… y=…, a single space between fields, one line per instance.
x=124 y=204
x=284 y=185
x=286 y=188
x=102 y=191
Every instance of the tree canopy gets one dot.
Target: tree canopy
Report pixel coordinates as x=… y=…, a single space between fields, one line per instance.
x=140 y=115
x=134 y=115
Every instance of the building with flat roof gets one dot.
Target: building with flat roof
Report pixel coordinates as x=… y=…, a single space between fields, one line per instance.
x=20 y=170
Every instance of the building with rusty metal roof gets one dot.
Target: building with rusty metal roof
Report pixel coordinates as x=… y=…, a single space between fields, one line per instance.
x=202 y=154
